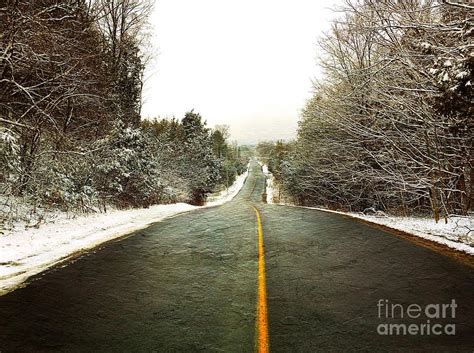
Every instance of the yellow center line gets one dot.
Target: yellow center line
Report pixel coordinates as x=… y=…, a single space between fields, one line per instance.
x=262 y=317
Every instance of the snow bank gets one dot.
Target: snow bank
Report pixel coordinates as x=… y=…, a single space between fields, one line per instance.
x=28 y=251
x=227 y=195
x=269 y=183
x=457 y=234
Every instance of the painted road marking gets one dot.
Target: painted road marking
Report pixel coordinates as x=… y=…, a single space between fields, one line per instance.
x=262 y=316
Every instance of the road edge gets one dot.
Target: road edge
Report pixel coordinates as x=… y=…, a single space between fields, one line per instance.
x=442 y=249
x=26 y=274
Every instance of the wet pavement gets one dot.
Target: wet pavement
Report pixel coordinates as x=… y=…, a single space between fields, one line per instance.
x=189 y=284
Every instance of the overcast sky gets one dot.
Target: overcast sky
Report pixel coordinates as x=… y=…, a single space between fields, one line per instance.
x=245 y=63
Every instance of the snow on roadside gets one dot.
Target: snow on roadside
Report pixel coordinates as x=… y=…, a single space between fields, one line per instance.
x=228 y=194
x=26 y=252
x=457 y=234
x=269 y=182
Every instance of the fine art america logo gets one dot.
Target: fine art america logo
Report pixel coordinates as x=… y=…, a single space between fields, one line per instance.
x=431 y=319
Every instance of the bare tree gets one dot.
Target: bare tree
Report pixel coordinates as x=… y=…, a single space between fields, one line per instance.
x=390 y=126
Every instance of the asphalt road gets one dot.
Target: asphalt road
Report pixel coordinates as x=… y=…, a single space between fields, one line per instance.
x=191 y=284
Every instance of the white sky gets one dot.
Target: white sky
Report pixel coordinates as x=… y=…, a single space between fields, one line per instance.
x=245 y=63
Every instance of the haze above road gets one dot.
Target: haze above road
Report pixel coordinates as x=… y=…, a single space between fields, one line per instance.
x=248 y=64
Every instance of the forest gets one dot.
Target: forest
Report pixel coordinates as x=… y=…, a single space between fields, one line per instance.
x=390 y=124
x=71 y=133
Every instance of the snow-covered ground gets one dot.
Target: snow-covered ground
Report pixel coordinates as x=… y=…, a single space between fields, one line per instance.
x=269 y=182
x=27 y=251
x=457 y=234
x=227 y=195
